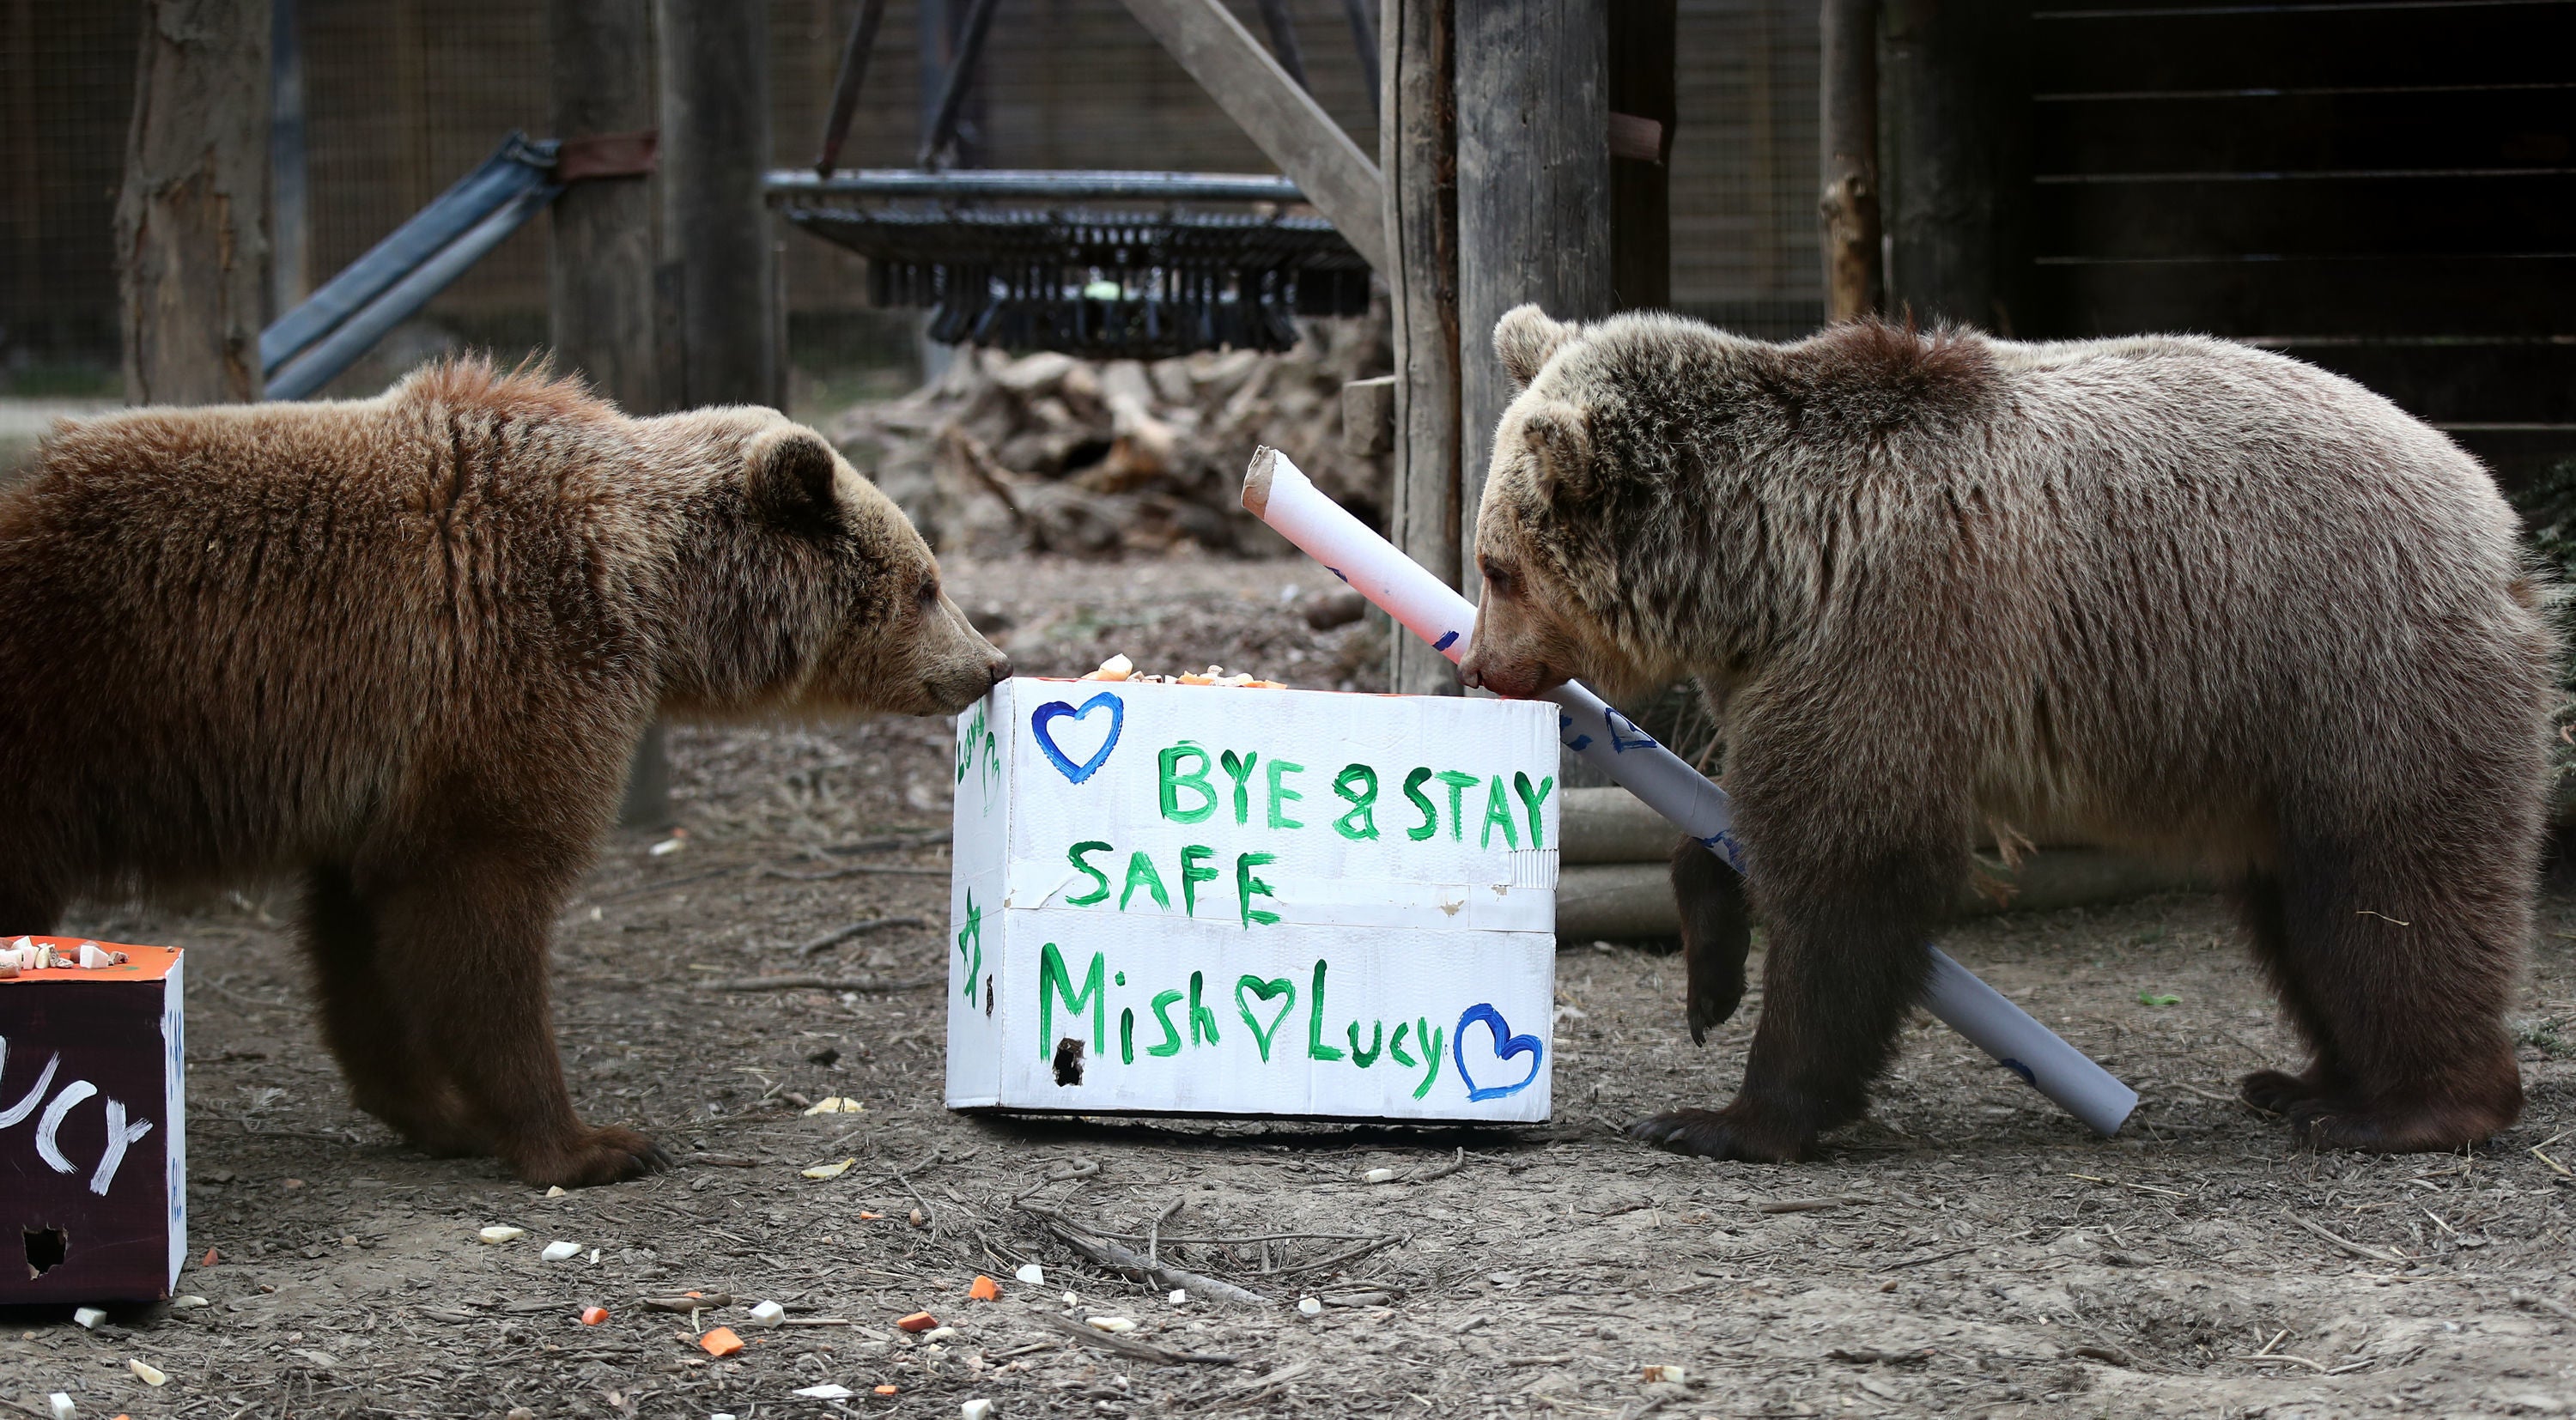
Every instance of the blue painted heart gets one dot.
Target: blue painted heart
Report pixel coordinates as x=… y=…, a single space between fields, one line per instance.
x=1506 y=1045
x=1055 y=710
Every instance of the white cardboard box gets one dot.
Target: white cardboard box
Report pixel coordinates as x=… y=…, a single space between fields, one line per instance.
x=1175 y=899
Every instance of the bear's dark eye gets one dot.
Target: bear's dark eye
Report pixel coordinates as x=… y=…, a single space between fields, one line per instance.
x=928 y=596
x=1498 y=580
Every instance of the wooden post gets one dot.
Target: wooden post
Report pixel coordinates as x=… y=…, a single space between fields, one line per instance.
x=1418 y=157
x=190 y=220
x=1643 y=36
x=290 y=233
x=1955 y=139
x=1848 y=145
x=600 y=266
x=715 y=147
x=599 y=275
x=1533 y=198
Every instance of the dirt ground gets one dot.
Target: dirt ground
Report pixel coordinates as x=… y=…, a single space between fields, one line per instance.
x=1967 y=1250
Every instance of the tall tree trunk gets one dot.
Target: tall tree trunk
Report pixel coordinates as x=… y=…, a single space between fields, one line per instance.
x=191 y=238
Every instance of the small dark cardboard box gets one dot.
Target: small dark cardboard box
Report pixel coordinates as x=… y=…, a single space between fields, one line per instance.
x=93 y=1138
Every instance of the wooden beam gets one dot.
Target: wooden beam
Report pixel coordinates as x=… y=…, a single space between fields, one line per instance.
x=1533 y=198
x=1283 y=41
x=190 y=230
x=1283 y=120
x=1848 y=145
x=845 y=88
x=1418 y=147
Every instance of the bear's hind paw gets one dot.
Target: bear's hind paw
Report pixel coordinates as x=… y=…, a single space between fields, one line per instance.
x=2434 y=1129
x=594 y=1157
x=1710 y=1134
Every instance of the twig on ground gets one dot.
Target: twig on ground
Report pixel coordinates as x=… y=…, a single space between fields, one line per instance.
x=1259 y=1387
x=2371 y=1254
x=2317 y=1366
x=2238 y=1100
x=2539 y=1303
x=873 y=984
x=344 y=1136
x=852 y=870
x=1154 y=1233
x=1931 y=1257
x=1337 y=1259
x=1214 y=1241
x=838 y=935
x=1140 y=1269
x=880 y=845
x=688 y=1304
x=929 y=1215
x=648 y=889
x=1129 y=1345
x=1456 y=1162
x=1810 y=1205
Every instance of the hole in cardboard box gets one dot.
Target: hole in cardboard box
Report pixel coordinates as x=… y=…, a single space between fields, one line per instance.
x=1068 y=1061
x=46 y=1248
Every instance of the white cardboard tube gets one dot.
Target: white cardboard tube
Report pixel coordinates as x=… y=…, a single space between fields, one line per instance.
x=1280 y=495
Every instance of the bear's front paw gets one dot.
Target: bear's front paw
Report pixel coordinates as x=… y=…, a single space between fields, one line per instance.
x=2275 y=1091
x=594 y=1156
x=1715 y=1134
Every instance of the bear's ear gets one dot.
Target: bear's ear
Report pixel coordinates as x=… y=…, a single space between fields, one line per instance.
x=791 y=477
x=1559 y=437
x=1524 y=338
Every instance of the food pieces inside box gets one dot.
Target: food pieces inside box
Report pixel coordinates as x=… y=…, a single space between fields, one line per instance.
x=28 y=954
x=1120 y=668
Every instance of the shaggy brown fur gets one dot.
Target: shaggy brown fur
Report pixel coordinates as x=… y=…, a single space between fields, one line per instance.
x=2170 y=594
x=403 y=648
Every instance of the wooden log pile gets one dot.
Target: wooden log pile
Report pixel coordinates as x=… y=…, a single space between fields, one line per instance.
x=1050 y=453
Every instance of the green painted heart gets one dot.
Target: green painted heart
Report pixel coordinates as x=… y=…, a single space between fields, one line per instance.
x=1280 y=987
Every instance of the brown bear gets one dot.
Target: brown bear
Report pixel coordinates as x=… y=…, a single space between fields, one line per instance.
x=402 y=649
x=2169 y=594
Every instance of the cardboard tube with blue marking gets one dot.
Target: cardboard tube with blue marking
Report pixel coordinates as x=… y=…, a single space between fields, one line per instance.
x=1278 y=494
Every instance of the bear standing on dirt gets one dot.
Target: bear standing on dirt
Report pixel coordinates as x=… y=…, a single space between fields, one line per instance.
x=404 y=647
x=2168 y=594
